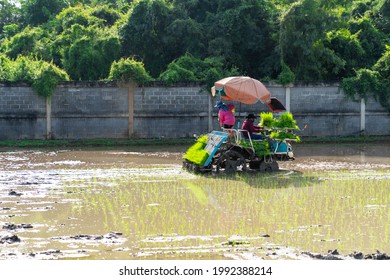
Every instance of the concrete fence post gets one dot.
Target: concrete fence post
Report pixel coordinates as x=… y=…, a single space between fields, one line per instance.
x=362 y=116
x=288 y=98
x=210 y=113
x=131 y=90
x=48 y=118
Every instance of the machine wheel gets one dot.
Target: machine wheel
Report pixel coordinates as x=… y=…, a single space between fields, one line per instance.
x=269 y=166
x=230 y=162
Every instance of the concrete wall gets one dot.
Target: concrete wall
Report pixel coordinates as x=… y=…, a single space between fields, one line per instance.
x=86 y=111
x=108 y=110
x=170 y=111
x=22 y=113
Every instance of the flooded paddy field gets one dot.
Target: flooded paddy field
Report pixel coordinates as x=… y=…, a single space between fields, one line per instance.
x=332 y=202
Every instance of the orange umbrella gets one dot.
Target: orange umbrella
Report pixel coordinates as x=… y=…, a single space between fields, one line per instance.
x=243 y=89
x=246 y=90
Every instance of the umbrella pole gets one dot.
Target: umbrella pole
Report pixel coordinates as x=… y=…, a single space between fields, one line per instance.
x=238 y=122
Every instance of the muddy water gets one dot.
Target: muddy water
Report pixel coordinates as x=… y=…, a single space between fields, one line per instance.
x=140 y=204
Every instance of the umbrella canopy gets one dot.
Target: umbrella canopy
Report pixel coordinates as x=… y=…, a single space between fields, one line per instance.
x=246 y=90
x=243 y=89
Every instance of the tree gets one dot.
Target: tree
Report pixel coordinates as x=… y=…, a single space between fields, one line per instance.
x=371 y=39
x=302 y=25
x=373 y=82
x=23 y=43
x=90 y=58
x=241 y=32
x=104 y=12
x=189 y=68
x=381 y=15
x=144 y=34
x=9 y=15
x=347 y=48
x=36 y=12
x=80 y=14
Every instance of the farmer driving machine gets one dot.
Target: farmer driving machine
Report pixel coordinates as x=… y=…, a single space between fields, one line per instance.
x=232 y=150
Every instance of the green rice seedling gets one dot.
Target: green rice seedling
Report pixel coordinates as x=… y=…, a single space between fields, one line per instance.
x=282 y=135
x=196 y=152
x=267 y=119
x=261 y=147
x=310 y=211
x=286 y=120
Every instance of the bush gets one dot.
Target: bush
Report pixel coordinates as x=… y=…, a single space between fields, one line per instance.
x=176 y=73
x=41 y=75
x=286 y=76
x=5 y=68
x=375 y=82
x=190 y=68
x=365 y=82
x=47 y=79
x=129 y=70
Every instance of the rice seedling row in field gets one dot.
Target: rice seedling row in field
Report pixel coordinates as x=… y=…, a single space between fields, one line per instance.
x=315 y=211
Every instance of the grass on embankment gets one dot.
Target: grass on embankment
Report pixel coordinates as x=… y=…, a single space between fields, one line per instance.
x=165 y=141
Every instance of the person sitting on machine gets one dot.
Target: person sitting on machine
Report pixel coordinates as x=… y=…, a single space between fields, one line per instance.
x=252 y=129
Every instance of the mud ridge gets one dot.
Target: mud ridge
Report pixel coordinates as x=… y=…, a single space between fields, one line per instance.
x=334 y=255
x=9 y=239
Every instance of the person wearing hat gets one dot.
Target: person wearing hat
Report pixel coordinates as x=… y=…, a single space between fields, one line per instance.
x=252 y=129
x=225 y=114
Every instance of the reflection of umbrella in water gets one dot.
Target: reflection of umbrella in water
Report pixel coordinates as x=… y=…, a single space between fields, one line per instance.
x=246 y=90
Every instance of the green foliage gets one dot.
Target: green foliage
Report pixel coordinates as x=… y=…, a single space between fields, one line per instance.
x=10 y=30
x=383 y=65
x=80 y=15
x=190 y=68
x=286 y=120
x=109 y=15
x=267 y=119
x=282 y=128
x=41 y=75
x=176 y=73
x=129 y=70
x=148 y=39
x=284 y=134
x=286 y=76
x=47 y=78
x=371 y=40
x=36 y=12
x=302 y=25
x=90 y=58
x=23 y=43
x=375 y=83
x=381 y=16
x=241 y=32
x=9 y=15
x=196 y=152
x=347 y=49
x=23 y=69
x=5 y=68
x=362 y=85
x=261 y=147
x=284 y=40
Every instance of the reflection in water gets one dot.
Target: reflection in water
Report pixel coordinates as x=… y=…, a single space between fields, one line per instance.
x=314 y=212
